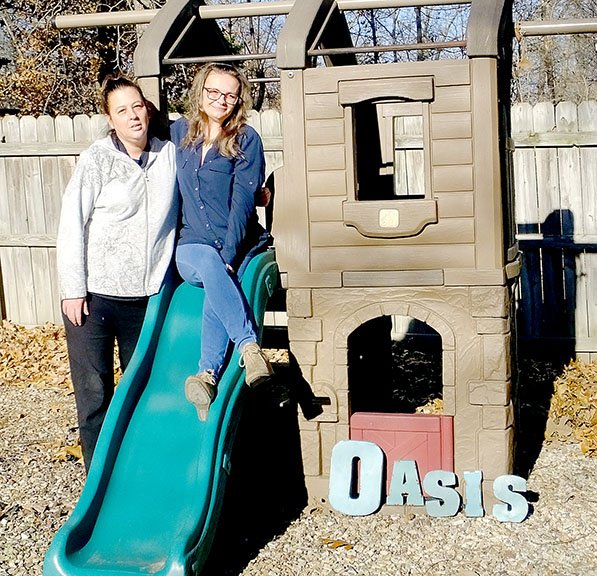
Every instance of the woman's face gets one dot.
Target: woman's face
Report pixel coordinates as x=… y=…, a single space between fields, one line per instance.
x=128 y=116
x=219 y=96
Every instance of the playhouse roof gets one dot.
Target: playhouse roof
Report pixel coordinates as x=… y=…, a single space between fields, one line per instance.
x=186 y=31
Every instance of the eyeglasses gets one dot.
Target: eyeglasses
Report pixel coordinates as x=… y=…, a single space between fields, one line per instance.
x=214 y=94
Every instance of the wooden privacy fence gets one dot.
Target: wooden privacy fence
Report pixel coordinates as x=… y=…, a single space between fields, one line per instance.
x=555 y=175
x=555 y=170
x=37 y=157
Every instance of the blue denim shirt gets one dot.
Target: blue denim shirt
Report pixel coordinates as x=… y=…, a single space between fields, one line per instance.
x=218 y=197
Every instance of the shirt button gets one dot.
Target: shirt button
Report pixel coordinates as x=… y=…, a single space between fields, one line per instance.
x=196 y=189
x=201 y=207
x=207 y=225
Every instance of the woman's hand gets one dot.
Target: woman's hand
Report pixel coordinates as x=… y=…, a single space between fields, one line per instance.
x=263 y=196
x=74 y=309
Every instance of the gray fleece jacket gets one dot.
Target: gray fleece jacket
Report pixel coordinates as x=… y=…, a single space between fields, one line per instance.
x=118 y=222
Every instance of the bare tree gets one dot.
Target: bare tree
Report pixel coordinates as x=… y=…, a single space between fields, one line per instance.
x=407 y=27
x=559 y=67
x=42 y=69
x=256 y=36
x=53 y=71
x=45 y=70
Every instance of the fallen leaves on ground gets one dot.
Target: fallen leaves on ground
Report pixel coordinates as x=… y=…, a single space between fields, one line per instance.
x=333 y=543
x=36 y=356
x=573 y=408
x=65 y=451
x=434 y=406
x=33 y=356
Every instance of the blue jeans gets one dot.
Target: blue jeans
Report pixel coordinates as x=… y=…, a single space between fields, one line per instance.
x=226 y=313
x=91 y=358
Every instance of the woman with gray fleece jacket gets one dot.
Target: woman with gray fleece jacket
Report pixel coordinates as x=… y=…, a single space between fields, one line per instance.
x=115 y=242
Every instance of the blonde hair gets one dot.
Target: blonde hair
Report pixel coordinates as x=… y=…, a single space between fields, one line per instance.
x=226 y=141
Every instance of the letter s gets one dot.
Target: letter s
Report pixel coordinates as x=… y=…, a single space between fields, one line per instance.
x=506 y=488
x=446 y=501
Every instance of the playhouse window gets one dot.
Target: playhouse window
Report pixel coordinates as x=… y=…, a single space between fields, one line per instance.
x=391 y=160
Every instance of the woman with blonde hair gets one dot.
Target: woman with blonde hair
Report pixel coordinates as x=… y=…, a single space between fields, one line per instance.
x=220 y=171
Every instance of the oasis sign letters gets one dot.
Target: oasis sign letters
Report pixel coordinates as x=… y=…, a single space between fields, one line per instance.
x=356 y=480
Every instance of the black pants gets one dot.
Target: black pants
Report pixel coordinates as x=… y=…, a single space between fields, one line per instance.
x=91 y=358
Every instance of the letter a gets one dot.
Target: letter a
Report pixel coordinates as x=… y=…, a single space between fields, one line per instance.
x=405 y=482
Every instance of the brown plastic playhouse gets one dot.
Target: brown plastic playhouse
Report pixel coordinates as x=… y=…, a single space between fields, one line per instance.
x=393 y=201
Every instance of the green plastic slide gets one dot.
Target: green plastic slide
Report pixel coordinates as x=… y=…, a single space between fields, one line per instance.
x=153 y=494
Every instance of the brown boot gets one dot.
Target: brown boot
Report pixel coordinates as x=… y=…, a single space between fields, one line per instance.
x=200 y=389
x=258 y=368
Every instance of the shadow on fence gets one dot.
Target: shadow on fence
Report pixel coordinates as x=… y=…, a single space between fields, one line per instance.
x=546 y=325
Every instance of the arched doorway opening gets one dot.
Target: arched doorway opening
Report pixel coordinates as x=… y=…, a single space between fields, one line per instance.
x=395 y=366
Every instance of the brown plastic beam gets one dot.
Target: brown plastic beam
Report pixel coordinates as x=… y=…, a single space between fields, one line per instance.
x=177 y=27
x=222 y=58
x=302 y=25
x=485 y=24
x=388 y=48
x=549 y=27
x=99 y=19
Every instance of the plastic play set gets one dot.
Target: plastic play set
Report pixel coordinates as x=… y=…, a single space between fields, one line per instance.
x=394 y=200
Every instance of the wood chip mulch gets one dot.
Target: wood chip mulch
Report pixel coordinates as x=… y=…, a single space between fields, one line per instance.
x=42 y=478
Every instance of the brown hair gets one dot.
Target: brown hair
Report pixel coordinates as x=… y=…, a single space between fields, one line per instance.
x=227 y=140
x=157 y=124
x=113 y=83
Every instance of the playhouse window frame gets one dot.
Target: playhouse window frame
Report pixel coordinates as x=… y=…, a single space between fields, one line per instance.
x=392 y=214
x=403 y=148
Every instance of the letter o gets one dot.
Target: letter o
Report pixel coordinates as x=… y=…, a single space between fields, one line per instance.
x=370 y=477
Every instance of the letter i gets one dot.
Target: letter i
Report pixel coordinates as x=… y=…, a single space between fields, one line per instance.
x=473 y=494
